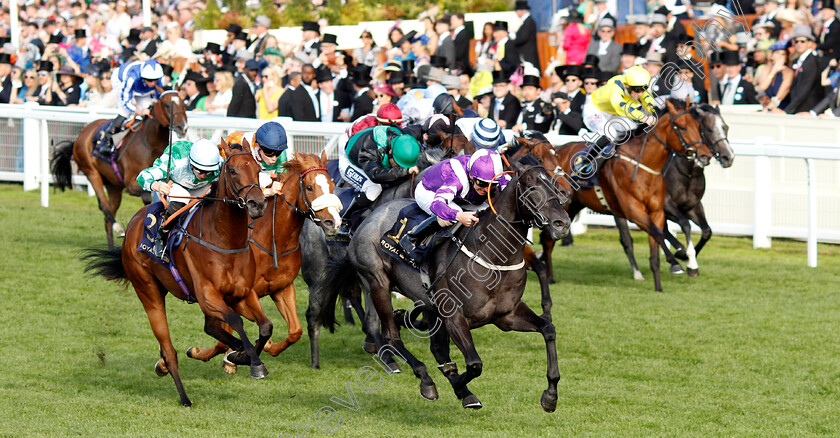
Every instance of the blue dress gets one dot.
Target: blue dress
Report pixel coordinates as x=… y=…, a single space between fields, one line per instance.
x=773 y=89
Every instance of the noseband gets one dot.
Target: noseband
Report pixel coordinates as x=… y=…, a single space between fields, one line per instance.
x=159 y=107
x=690 y=149
x=536 y=215
x=309 y=213
x=238 y=200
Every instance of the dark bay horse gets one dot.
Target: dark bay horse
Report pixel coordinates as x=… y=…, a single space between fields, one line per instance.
x=307 y=194
x=631 y=183
x=686 y=185
x=140 y=149
x=480 y=280
x=214 y=260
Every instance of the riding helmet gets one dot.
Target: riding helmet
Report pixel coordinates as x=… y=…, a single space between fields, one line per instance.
x=405 y=150
x=485 y=164
x=444 y=104
x=204 y=155
x=486 y=134
x=151 y=70
x=636 y=76
x=389 y=114
x=272 y=136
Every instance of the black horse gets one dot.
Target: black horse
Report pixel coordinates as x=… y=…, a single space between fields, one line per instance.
x=480 y=280
x=686 y=185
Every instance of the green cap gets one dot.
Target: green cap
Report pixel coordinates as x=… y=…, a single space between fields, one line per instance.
x=405 y=150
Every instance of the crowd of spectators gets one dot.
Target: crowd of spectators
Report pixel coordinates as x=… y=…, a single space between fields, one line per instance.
x=785 y=60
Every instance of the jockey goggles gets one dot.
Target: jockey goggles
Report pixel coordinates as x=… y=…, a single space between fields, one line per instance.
x=482 y=184
x=637 y=88
x=271 y=152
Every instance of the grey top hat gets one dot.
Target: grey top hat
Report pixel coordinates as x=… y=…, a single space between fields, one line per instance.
x=803 y=31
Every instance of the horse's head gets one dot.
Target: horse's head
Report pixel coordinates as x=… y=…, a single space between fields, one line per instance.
x=684 y=136
x=431 y=155
x=316 y=190
x=538 y=198
x=534 y=143
x=239 y=178
x=714 y=132
x=170 y=106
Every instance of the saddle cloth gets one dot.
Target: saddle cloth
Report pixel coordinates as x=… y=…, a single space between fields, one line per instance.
x=408 y=218
x=151 y=224
x=101 y=143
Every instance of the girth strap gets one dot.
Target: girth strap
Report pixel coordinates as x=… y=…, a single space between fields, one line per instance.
x=638 y=164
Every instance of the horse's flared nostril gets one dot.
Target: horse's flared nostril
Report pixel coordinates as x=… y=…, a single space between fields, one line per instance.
x=329 y=223
x=558 y=224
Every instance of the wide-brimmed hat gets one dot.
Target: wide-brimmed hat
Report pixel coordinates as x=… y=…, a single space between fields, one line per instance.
x=67 y=71
x=406 y=38
x=385 y=89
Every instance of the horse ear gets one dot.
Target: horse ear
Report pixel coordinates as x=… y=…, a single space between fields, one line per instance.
x=224 y=149
x=671 y=108
x=323 y=158
x=687 y=102
x=245 y=144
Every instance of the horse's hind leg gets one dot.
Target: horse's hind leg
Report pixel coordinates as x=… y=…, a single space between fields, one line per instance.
x=95 y=180
x=313 y=327
x=205 y=354
x=115 y=199
x=286 y=304
x=523 y=319
x=626 y=240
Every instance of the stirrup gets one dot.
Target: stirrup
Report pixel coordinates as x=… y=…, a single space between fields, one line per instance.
x=408 y=243
x=580 y=168
x=160 y=250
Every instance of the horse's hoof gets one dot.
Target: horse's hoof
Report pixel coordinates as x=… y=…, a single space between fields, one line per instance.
x=268 y=345
x=118 y=229
x=677 y=269
x=548 y=401
x=551 y=281
x=259 y=371
x=369 y=347
x=186 y=403
x=693 y=272
x=228 y=366
x=394 y=367
x=471 y=402
x=429 y=392
x=638 y=276
x=680 y=254
x=160 y=368
x=192 y=352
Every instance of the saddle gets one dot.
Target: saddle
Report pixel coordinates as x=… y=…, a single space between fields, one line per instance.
x=102 y=144
x=151 y=224
x=408 y=218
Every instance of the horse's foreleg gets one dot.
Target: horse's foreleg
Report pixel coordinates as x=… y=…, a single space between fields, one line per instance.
x=285 y=300
x=541 y=270
x=548 y=249
x=205 y=354
x=698 y=216
x=523 y=319
x=626 y=240
x=250 y=308
x=459 y=331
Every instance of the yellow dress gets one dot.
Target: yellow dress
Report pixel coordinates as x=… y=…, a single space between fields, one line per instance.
x=263 y=110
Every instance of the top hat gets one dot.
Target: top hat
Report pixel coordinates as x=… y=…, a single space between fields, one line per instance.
x=572 y=70
x=828 y=4
x=329 y=38
x=591 y=73
x=532 y=81
x=591 y=59
x=395 y=78
x=80 y=33
x=213 y=47
x=730 y=57
x=360 y=75
x=4 y=40
x=408 y=66
x=234 y=28
x=311 y=25
x=45 y=66
x=5 y=58
x=323 y=75
x=133 y=36
x=410 y=82
x=58 y=38
x=802 y=31
x=521 y=5
x=437 y=61
x=607 y=21
x=500 y=25
x=499 y=77
x=630 y=49
x=167 y=70
x=242 y=36
x=195 y=77
x=605 y=76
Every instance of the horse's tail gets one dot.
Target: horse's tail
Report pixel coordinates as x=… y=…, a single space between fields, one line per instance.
x=61 y=164
x=339 y=280
x=104 y=262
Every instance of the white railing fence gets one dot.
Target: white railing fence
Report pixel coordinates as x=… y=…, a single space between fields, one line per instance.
x=776 y=188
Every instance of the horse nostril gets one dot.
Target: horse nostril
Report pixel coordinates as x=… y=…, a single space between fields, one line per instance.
x=329 y=223
x=558 y=224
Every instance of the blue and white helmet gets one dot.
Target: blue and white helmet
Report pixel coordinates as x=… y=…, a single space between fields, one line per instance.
x=487 y=134
x=151 y=70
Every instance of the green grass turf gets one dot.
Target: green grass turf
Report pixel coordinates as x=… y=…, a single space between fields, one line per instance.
x=746 y=349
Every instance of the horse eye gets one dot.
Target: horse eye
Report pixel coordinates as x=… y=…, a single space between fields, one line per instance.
x=309 y=188
x=233 y=171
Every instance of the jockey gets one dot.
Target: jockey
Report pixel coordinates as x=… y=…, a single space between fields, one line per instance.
x=372 y=157
x=482 y=133
x=269 y=149
x=464 y=178
x=387 y=114
x=612 y=112
x=191 y=167
x=139 y=81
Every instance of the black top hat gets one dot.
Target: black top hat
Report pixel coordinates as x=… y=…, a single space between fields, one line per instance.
x=5 y=39
x=195 y=77
x=500 y=25
x=5 y=58
x=521 y=5
x=605 y=76
x=396 y=77
x=242 y=36
x=714 y=58
x=437 y=61
x=591 y=73
x=630 y=49
x=133 y=36
x=560 y=70
x=531 y=81
x=167 y=69
x=56 y=38
x=410 y=82
x=828 y=4
x=311 y=25
x=360 y=75
x=560 y=95
x=213 y=47
x=45 y=66
x=499 y=77
x=80 y=33
x=407 y=37
x=323 y=75
x=234 y=28
x=662 y=10
x=329 y=38
x=591 y=59
x=408 y=66
x=730 y=57
x=573 y=70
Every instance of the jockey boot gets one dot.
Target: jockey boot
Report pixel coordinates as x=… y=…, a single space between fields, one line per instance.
x=359 y=204
x=419 y=233
x=163 y=232
x=594 y=158
x=108 y=143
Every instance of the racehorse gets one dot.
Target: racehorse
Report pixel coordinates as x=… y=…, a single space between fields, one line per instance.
x=491 y=252
x=686 y=184
x=307 y=194
x=631 y=185
x=215 y=263
x=139 y=150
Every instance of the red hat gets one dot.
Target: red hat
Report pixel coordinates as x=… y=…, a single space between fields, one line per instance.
x=389 y=113
x=385 y=89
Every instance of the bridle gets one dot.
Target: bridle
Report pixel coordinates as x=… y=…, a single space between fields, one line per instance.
x=537 y=219
x=158 y=108
x=237 y=200
x=690 y=149
x=309 y=213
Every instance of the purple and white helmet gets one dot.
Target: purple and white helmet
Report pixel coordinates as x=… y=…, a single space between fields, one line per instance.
x=485 y=164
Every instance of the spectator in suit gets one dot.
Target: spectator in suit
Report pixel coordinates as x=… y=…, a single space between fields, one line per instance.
x=734 y=89
x=504 y=107
x=260 y=30
x=591 y=79
x=445 y=43
x=242 y=102
x=461 y=38
x=506 y=58
x=191 y=92
x=661 y=42
x=309 y=46
x=363 y=98
x=771 y=8
x=829 y=43
x=566 y=121
x=629 y=53
x=535 y=114
x=673 y=27
x=148 y=42
x=605 y=48
x=328 y=106
x=296 y=101
x=806 y=90
x=572 y=77
x=685 y=86
x=831 y=101
x=525 y=39
x=644 y=34
x=5 y=78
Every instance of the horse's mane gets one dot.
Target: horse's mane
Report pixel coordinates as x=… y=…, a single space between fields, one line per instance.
x=678 y=103
x=300 y=163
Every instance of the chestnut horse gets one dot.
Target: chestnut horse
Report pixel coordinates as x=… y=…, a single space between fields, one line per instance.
x=307 y=194
x=140 y=150
x=631 y=183
x=215 y=262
